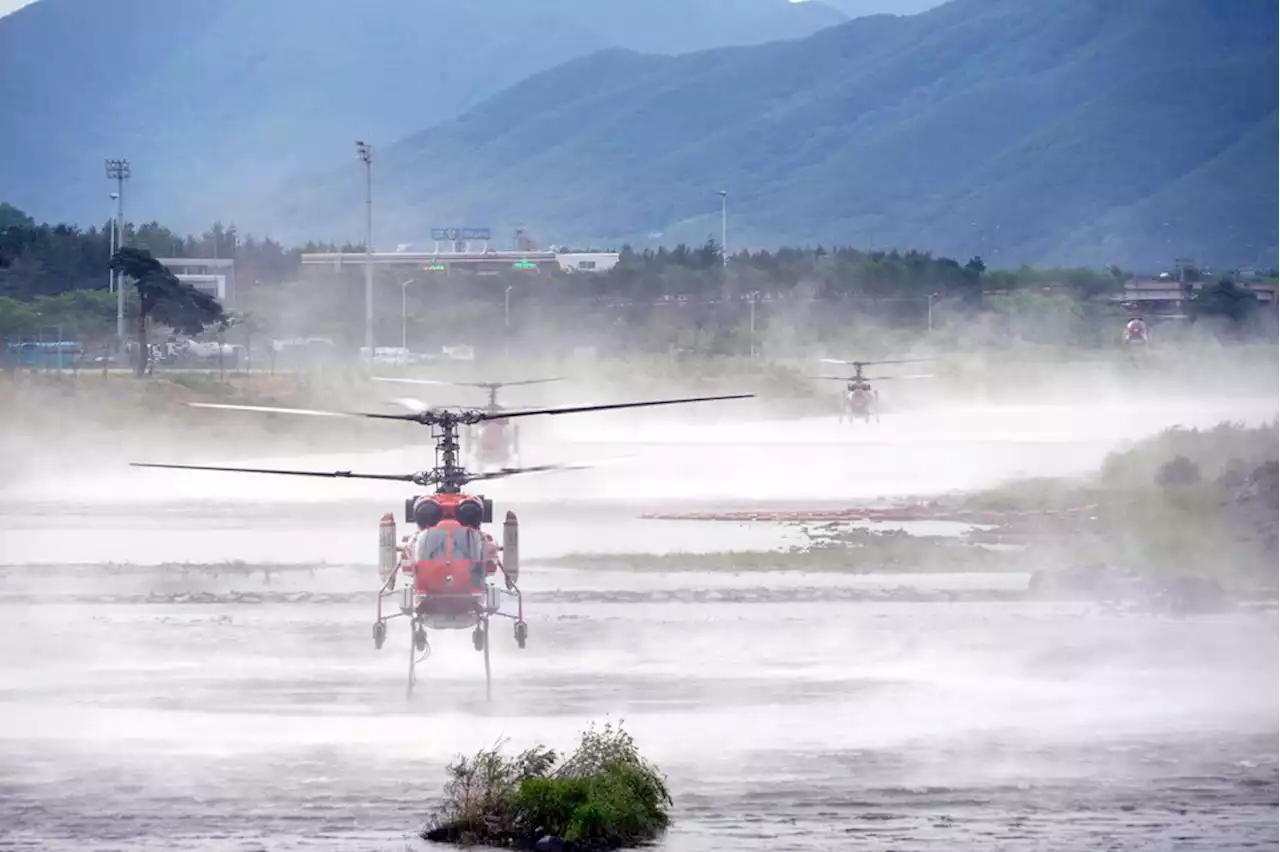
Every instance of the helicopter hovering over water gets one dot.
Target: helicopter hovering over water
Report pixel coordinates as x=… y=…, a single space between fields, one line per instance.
x=492 y=442
x=860 y=401
x=1135 y=331
x=443 y=576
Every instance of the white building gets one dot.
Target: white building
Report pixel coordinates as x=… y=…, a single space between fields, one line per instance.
x=483 y=263
x=595 y=261
x=213 y=275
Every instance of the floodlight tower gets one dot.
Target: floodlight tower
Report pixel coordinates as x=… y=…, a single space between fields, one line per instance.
x=366 y=156
x=119 y=171
x=111 y=273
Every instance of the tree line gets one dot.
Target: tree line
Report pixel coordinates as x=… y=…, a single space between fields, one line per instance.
x=55 y=276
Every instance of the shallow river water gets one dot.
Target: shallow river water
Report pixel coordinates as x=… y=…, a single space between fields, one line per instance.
x=215 y=706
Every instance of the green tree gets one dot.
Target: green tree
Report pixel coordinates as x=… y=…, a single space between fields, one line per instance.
x=166 y=299
x=15 y=317
x=1225 y=299
x=12 y=217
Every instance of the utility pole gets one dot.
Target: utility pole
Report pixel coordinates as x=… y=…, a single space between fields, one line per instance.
x=506 y=325
x=366 y=156
x=404 y=313
x=724 y=227
x=119 y=171
x=111 y=277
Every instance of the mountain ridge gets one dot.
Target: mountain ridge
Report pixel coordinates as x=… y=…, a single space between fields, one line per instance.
x=986 y=127
x=214 y=94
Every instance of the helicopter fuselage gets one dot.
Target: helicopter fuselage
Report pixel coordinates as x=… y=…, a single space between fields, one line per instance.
x=448 y=567
x=858 y=401
x=494 y=442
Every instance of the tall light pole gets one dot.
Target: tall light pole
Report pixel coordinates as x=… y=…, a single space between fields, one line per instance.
x=404 y=313
x=932 y=296
x=111 y=273
x=506 y=325
x=119 y=171
x=724 y=227
x=366 y=156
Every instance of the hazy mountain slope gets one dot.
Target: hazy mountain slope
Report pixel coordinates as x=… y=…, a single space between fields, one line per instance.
x=1003 y=127
x=861 y=8
x=1230 y=200
x=206 y=97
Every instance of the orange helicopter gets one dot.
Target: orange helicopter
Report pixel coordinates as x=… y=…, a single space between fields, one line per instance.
x=1135 y=331
x=860 y=400
x=493 y=442
x=443 y=575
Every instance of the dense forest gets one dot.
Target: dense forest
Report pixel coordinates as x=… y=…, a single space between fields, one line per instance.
x=53 y=280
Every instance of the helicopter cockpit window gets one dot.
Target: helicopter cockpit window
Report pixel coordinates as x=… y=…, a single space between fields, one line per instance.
x=467 y=545
x=432 y=545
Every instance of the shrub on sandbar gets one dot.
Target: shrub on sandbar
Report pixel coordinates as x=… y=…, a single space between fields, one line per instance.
x=604 y=796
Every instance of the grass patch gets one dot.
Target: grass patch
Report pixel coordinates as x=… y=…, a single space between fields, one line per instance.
x=605 y=796
x=836 y=548
x=1184 y=501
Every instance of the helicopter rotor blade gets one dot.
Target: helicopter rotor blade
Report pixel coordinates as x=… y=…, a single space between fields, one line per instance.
x=409 y=403
x=413 y=417
x=869 y=363
x=896 y=378
x=516 y=471
x=469 y=415
x=417 y=478
x=485 y=385
x=269 y=409
x=405 y=381
x=610 y=406
x=515 y=383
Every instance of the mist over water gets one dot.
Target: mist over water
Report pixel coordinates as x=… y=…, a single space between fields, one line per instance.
x=147 y=706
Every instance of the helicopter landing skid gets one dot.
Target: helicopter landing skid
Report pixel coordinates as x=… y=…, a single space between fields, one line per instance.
x=419 y=651
x=420 y=647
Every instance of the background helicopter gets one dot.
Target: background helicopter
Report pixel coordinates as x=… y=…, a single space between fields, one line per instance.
x=1136 y=333
x=492 y=442
x=860 y=400
x=420 y=570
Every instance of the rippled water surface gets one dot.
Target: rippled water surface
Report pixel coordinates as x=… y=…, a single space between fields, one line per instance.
x=145 y=707
x=215 y=705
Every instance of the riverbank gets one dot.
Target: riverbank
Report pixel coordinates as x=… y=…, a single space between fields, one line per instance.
x=1183 y=509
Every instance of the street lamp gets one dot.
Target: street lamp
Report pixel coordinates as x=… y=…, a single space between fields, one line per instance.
x=365 y=152
x=932 y=296
x=111 y=273
x=506 y=324
x=404 y=312
x=724 y=227
x=119 y=171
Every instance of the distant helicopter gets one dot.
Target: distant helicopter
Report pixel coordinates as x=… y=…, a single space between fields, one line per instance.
x=493 y=442
x=1136 y=332
x=441 y=574
x=860 y=401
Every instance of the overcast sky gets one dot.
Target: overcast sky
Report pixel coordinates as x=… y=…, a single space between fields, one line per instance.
x=856 y=7
x=7 y=6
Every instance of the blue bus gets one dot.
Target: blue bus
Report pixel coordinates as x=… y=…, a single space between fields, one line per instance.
x=43 y=355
